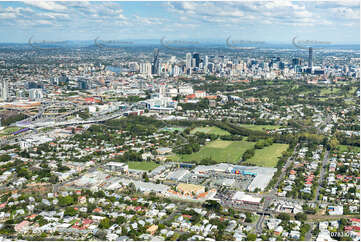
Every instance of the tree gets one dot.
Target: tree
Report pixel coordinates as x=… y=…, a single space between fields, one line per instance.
x=70 y=211
x=248 y=154
x=66 y=201
x=333 y=143
x=184 y=236
x=301 y=217
x=259 y=144
x=212 y=205
x=131 y=187
x=305 y=228
x=4 y=158
x=251 y=237
x=145 y=177
x=101 y=235
x=284 y=217
x=248 y=217
x=120 y=220
x=105 y=223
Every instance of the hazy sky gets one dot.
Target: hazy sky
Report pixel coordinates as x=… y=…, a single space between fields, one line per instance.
x=270 y=21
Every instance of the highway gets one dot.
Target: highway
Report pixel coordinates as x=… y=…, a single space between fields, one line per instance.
x=36 y=124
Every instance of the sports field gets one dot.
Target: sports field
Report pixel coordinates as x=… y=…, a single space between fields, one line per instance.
x=210 y=130
x=346 y=148
x=218 y=150
x=268 y=156
x=142 y=165
x=260 y=127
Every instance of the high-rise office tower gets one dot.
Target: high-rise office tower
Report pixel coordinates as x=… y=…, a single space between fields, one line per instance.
x=36 y=94
x=175 y=70
x=281 y=65
x=188 y=60
x=310 y=57
x=193 y=62
x=173 y=60
x=205 y=66
x=155 y=68
x=198 y=59
x=145 y=68
x=159 y=69
x=296 y=61
x=4 y=90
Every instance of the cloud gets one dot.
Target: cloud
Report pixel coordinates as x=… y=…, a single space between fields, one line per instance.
x=279 y=12
x=346 y=13
x=149 y=20
x=52 y=6
x=206 y=19
x=7 y=15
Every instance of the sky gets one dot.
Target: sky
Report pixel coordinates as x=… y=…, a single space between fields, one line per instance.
x=337 y=22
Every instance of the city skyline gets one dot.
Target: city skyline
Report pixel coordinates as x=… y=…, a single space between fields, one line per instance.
x=270 y=21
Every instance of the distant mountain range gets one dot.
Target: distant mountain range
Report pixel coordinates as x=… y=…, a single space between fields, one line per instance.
x=170 y=43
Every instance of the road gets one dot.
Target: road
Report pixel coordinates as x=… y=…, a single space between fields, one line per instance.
x=284 y=169
x=34 y=125
x=322 y=173
x=308 y=235
x=259 y=225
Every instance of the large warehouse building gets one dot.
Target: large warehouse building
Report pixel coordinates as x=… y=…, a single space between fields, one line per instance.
x=262 y=175
x=246 y=198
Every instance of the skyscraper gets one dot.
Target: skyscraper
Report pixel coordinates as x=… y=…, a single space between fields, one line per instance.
x=193 y=62
x=198 y=59
x=145 y=68
x=205 y=66
x=4 y=90
x=310 y=57
x=296 y=61
x=188 y=60
x=155 y=66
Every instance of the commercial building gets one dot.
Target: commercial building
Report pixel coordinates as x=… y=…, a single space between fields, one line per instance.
x=4 y=90
x=190 y=189
x=185 y=90
x=197 y=58
x=222 y=167
x=145 y=68
x=117 y=166
x=35 y=94
x=156 y=62
x=188 y=60
x=163 y=150
x=262 y=175
x=246 y=198
x=178 y=174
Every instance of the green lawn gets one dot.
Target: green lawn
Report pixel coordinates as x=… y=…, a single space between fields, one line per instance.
x=210 y=130
x=327 y=91
x=268 y=156
x=142 y=165
x=218 y=150
x=9 y=130
x=353 y=90
x=345 y=148
x=260 y=127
